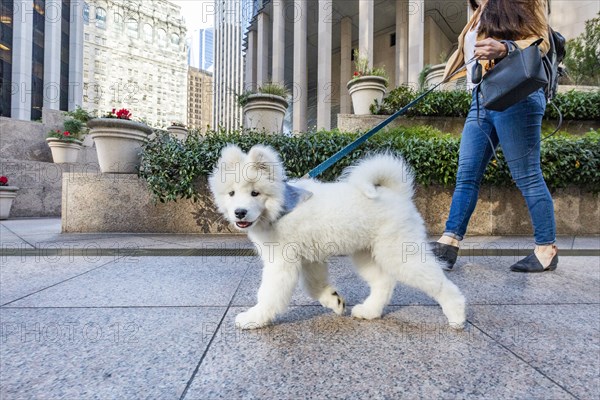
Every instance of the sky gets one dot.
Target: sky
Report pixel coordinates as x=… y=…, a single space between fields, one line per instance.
x=196 y=13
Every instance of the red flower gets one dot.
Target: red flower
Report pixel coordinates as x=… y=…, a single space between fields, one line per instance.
x=114 y=110
x=67 y=133
x=123 y=113
x=3 y=181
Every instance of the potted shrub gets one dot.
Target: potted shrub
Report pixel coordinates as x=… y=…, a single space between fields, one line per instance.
x=367 y=85
x=64 y=145
x=265 y=108
x=7 y=195
x=178 y=129
x=118 y=141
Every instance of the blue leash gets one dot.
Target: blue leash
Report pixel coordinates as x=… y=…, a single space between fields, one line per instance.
x=319 y=169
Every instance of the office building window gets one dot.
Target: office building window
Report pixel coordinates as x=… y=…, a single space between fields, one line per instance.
x=132 y=28
x=37 y=70
x=64 y=55
x=6 y=45
x=100 y=18
x=148 y=33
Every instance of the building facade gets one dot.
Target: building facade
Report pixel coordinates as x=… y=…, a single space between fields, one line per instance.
x=201 y=49
x=231 y=19
x=200 y=99
x=307 y=45
x=135 y=57
x=41 y=61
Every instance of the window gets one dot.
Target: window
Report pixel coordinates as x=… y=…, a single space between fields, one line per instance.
x=162 y=36
x=132 y=28
x=175 y=39
x=148 y=33
x=119 y=22
x=100 y=18
x=86 y=13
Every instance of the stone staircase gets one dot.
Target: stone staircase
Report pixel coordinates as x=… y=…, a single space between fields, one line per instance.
x=26 y=160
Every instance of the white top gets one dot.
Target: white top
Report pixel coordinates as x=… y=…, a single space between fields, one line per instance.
x=470 y=40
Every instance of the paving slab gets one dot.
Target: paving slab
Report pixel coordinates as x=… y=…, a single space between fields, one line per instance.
x=587 y=242
x=483 y=280
x=561 y=341
x=408 y=354
x=10 y=241
x=22 y=276
x=29 y=226
x=510 y=242
x=149 y=282
x=126 y=353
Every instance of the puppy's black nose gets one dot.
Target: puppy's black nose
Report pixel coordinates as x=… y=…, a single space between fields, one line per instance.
x=240 y=213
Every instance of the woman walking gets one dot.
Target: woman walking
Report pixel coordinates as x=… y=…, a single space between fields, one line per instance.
x=517 y=130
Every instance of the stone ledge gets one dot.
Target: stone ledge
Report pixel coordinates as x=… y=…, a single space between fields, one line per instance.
x=122 y=203
x=454 y=125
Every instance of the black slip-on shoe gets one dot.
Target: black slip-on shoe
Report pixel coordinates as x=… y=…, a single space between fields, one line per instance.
x=445 y=254
x=532 y=264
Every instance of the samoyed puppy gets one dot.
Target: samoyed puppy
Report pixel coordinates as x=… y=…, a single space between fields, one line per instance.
x=296 y=226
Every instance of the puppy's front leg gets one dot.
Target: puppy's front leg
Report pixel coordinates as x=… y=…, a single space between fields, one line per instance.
x=279 y=278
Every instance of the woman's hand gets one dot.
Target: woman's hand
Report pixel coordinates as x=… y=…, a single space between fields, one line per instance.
x=490 y=49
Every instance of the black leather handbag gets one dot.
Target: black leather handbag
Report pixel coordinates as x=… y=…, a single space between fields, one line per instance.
x=513 y=78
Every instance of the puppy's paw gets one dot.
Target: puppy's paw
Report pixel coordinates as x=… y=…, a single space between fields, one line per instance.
x=363 y=311
x=333 y=301
x=250 y=320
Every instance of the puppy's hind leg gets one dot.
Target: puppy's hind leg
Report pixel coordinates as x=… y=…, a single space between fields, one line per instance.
x=315 y=281
x=381 y=283
x=427 y=276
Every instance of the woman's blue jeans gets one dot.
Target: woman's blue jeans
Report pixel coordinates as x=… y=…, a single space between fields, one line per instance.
x=517 y=130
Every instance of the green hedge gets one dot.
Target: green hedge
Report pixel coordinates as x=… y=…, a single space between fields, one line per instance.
x=172 y=168
x=573 y=105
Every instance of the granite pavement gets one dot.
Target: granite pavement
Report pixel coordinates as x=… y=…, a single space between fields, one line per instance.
x=151 y=316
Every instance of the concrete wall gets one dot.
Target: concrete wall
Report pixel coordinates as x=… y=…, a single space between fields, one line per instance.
x=362 y=123
x=122 y=203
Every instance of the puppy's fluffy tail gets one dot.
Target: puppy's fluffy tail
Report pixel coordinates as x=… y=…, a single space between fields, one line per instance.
x=382 y=171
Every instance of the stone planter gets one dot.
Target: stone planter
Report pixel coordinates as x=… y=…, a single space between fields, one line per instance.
x=118 y=144
x=265 y=112
x=64 y=152
x=179 y=132
x=7 y=195
x=364 y=91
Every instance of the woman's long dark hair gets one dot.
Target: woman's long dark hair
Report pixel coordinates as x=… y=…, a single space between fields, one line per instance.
x=512 y=19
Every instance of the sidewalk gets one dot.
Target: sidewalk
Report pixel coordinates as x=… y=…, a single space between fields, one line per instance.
x=136 y=316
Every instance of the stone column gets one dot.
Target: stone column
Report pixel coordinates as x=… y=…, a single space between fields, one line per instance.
x=52 y=53
x=262 y=53
x=324 y=89
x=365 y=29
x=76 y=56
x=250 y=69
x=416 y=40
x=345 y=64
x=278 y=42
x=401 y=42
x=300 y=69
x=22 y=59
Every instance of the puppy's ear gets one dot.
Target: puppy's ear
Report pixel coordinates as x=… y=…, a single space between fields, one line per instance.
x=231 y=154
x=264 y=158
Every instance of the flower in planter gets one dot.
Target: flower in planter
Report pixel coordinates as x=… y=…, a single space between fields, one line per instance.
x=267 y=88
x=123 y=113
x=361 y=65
x=64 y=136
x=3 y=181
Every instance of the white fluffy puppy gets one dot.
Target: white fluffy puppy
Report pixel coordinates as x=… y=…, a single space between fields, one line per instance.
x=368 y=214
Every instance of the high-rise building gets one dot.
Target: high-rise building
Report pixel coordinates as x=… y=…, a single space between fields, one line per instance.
x=135 y=57
x=231 y=19
x=201 y=49
x=41 y=58
x=200 y=99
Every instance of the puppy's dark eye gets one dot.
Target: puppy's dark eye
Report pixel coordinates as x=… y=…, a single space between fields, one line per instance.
x=254 y=194
x=232 y=193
